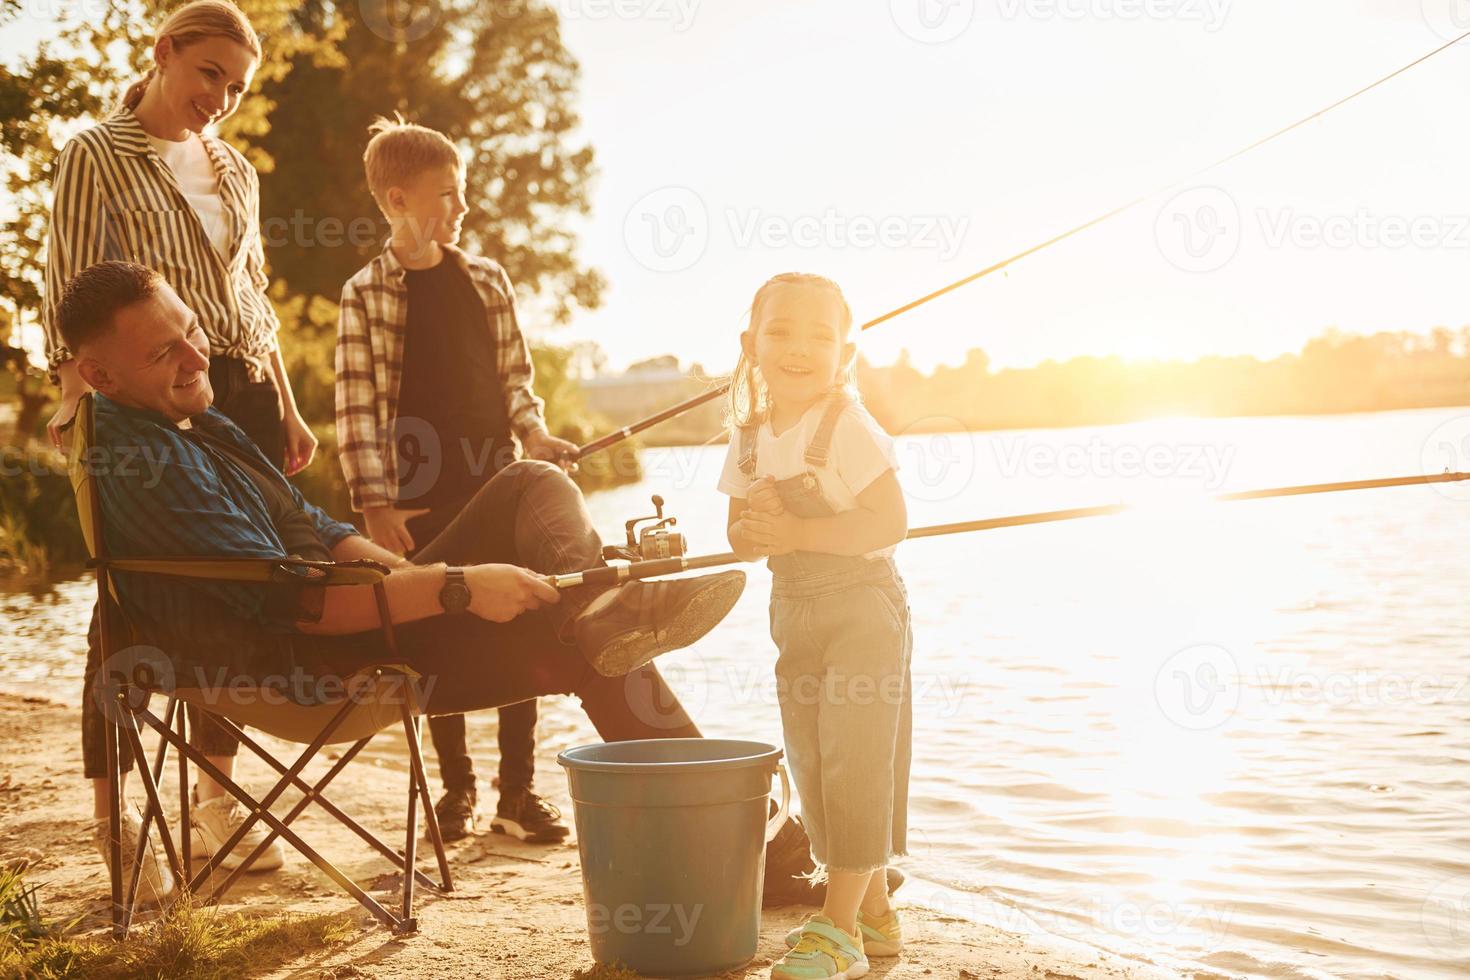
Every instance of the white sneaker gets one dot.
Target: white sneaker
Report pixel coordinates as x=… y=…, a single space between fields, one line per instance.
x=156 y=884
x=214 y=822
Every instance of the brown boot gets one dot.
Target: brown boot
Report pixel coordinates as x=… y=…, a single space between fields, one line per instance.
x=627 y=627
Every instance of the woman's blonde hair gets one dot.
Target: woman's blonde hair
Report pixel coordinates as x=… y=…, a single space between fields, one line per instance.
x=749 y=400
x=193 y=22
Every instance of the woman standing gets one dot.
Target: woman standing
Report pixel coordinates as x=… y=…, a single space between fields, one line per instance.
x=149 y=186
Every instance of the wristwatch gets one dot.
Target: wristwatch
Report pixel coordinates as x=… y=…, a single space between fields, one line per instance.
x=455 y=596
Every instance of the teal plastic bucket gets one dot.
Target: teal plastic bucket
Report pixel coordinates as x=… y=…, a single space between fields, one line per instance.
x=672 y=834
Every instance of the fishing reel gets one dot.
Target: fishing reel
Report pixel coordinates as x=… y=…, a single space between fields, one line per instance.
x=650 y=543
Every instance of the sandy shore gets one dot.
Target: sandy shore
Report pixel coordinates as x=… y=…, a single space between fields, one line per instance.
x=517 y=911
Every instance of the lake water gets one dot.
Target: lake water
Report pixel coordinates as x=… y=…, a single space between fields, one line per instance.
x=1231 y=738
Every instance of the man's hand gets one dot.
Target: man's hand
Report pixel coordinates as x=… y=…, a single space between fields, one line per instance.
x=772 y=534
x=763 y=497
x=388 y=527
x=543 y=445
x=500 y=593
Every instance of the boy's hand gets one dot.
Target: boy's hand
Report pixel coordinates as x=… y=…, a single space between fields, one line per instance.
x=388 y=527
x=763 y=497
x=543 y=445
x=772 y=534
x=500 y=593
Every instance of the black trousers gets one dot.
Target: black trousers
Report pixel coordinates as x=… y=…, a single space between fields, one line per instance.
x=516 y=737
x=528 y=514
x=255 y=407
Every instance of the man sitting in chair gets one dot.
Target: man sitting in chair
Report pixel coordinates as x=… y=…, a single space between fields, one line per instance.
x=474 y=614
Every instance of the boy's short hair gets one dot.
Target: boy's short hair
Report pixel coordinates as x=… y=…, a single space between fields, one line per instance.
x=91 y=299
x=399 y=151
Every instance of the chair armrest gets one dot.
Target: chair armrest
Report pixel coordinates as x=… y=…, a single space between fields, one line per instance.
x=361 y=571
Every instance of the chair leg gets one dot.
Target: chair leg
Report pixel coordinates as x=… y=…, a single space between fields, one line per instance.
x=313 y=794
x=155 y=805
x=262 y=811
x=421 y=782
x=186 y=826
x=151 y=816
x=410 y=924
x=114 y=824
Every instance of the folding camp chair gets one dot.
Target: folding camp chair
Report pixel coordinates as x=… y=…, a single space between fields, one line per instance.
x=373 y=700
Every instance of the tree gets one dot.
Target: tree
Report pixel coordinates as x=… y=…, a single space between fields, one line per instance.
x=495 y=78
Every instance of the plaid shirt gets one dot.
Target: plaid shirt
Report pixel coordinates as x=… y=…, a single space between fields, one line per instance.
x=370 y=367
x=115 y=198
x=164 y=494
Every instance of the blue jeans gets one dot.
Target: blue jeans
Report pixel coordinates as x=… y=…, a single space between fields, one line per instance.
x=847 y=706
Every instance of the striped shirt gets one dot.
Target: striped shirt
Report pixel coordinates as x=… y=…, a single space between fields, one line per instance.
x=370 y=330
x=116 y=199
x=164 y=492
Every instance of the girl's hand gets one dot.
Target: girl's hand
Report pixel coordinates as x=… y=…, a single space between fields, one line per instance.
x=772 y=534
x=763 y=497
x=300 y=444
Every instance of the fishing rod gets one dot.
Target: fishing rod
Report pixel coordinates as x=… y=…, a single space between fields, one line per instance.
x=613 y=438
x=657 y=550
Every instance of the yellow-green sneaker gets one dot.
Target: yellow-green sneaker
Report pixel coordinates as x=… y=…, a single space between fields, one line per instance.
x=822 y=952
x=881 y=935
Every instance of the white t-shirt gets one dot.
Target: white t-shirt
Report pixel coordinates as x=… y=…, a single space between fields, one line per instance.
x=194 y=171
x=860 y=453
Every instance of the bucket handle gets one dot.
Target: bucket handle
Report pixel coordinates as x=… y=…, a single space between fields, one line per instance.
x=774 y=825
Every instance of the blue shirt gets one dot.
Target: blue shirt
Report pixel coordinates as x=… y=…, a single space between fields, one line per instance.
x=164 y=494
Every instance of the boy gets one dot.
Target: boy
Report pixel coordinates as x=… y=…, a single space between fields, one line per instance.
x=433 y=381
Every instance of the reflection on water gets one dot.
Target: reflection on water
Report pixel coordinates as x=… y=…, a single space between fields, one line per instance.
x=1232 y=737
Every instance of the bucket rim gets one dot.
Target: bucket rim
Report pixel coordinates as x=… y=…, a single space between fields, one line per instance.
x=760 y=753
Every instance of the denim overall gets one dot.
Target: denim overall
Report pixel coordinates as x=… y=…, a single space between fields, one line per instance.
x=841 y=624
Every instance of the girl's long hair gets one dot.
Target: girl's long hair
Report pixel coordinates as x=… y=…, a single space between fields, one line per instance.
x=749 y=400
x=197 y=21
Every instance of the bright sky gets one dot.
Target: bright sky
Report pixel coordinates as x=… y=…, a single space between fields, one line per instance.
x=896 y=145
x=1034 y=116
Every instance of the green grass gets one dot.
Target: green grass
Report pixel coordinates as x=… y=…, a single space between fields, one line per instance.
x=196 y=942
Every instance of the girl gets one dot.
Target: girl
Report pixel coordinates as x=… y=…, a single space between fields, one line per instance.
x=812 y=487
x=149 y=186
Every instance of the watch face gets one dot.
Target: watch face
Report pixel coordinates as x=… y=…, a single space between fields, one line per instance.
x=455 y=597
